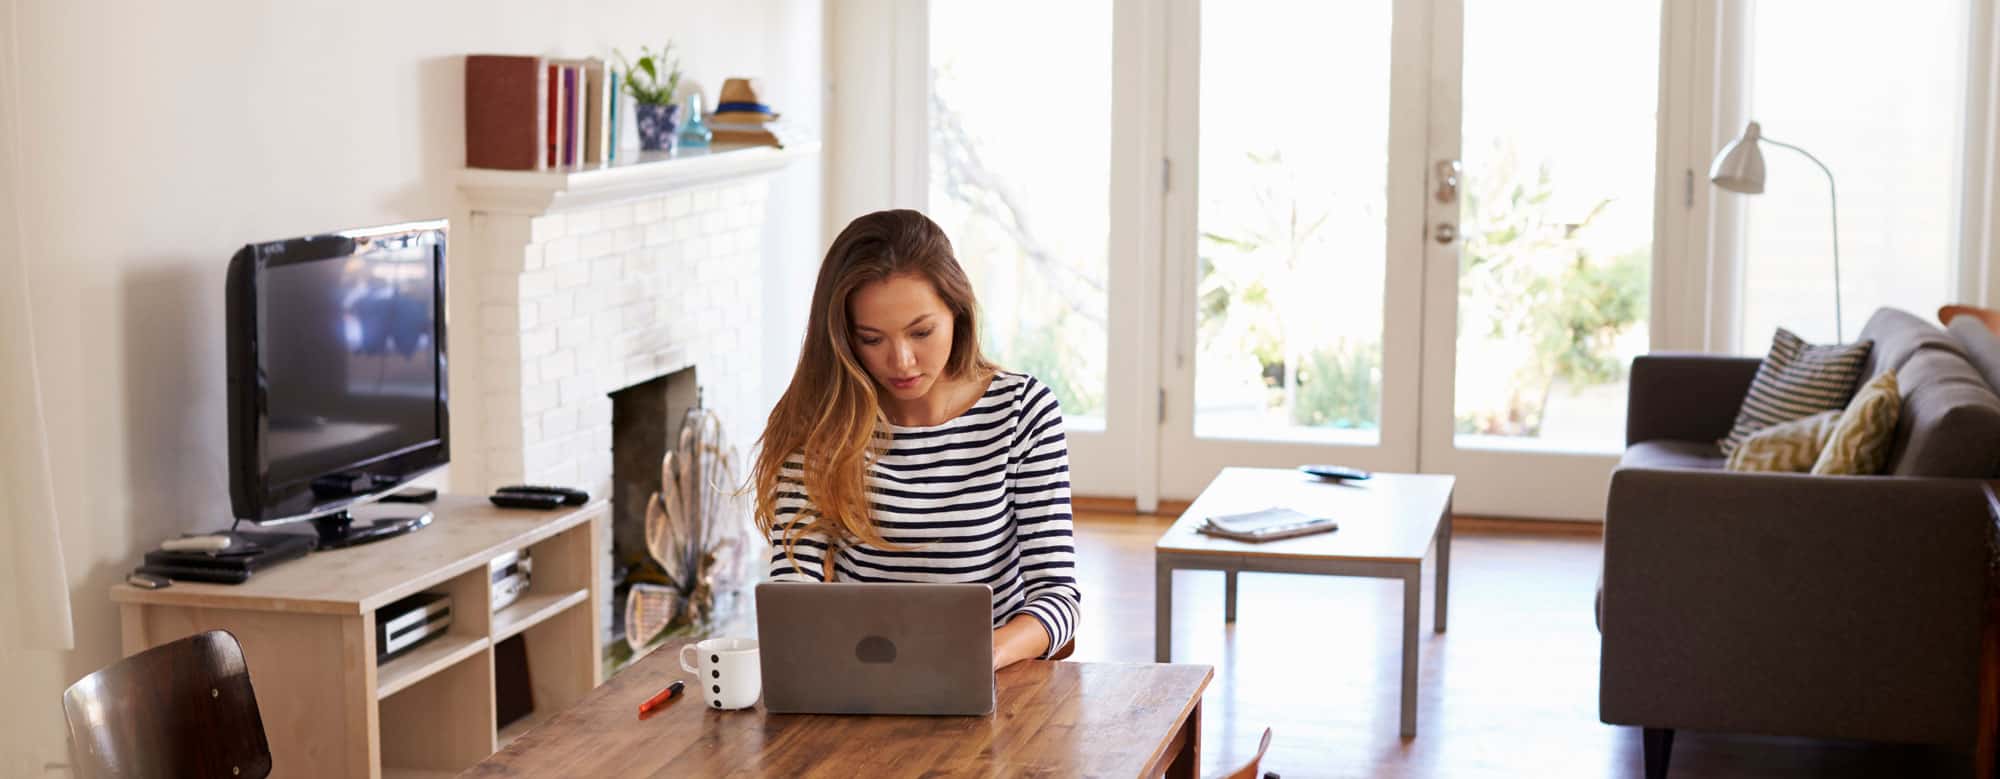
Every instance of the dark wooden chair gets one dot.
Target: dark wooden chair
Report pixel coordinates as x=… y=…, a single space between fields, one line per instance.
x=178 y=709
x=1987 y=316
x=1249 y=770
x=1067 y=649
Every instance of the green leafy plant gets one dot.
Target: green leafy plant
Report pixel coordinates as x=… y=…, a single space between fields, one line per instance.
x=1340 y=387
x=653 y=79
x=1536 y=282
x=1045 y=352
x=1249 y=304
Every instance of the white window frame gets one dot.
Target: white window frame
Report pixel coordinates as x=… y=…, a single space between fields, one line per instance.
x=1704 y=103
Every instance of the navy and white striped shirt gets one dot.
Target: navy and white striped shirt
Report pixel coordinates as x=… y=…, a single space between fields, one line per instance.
x=983 y=498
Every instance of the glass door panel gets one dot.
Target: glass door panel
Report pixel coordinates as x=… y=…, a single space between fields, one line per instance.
x=1540 y=298
x=1556 y=221
x=1291 y=230
x=1294 y=252
x=1020 y=167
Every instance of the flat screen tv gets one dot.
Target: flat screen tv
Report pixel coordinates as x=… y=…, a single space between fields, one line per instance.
x=336 y=375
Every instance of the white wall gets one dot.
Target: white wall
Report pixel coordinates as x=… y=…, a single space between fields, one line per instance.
x=794 y=244
x=156 y=138
x=864 y=174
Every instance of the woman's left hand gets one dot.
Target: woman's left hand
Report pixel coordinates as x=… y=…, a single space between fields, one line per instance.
x=1022 y=638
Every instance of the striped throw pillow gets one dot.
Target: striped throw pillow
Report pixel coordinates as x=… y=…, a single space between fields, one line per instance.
x=1797 y=380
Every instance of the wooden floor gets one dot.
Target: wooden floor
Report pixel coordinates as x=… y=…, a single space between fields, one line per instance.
x=1510 y=690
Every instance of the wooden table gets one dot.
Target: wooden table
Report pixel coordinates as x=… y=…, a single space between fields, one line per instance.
x=1388 y=525
x=1053 y=719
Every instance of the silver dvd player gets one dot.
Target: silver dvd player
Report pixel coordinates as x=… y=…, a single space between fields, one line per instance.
x=401 y=626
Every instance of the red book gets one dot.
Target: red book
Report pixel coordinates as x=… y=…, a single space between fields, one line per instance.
x=505 y=112
x=554 y=123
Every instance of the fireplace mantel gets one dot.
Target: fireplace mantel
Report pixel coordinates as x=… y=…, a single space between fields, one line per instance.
x=644 y=174
x=588 y=280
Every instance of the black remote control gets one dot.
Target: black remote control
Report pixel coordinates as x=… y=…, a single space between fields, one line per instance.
x=526 y=500
x=570 y=497
x=1336 y=472
x=411 y=495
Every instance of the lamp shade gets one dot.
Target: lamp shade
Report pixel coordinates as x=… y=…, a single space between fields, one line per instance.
x=1739 y=167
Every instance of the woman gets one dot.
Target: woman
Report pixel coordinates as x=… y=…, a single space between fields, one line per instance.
x=899 y=454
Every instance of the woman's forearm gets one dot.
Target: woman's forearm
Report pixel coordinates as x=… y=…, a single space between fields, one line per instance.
x=1022 y=638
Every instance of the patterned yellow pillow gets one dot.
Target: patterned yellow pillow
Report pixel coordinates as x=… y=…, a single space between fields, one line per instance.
x=1790 y=447
x=1859 y=445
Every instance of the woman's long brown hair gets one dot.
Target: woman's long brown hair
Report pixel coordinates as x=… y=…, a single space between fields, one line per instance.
x=830 y=414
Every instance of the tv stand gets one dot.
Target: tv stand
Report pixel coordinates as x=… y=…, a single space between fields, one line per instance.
x=338 y=530
x=307 y=627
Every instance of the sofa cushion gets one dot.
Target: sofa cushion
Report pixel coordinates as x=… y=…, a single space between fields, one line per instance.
x=1796 y=380
x=1950 y=424
x=1858 y=444
x=1981 y=347
x=1665 y=453
x=1787 y=447
x=1897 y=336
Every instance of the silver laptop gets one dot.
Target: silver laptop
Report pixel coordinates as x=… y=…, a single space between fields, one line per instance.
x=876 y=648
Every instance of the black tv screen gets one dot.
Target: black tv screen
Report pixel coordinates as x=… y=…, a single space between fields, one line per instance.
x=337 y=368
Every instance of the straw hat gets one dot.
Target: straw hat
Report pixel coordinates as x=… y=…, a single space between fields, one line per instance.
x=739 y=103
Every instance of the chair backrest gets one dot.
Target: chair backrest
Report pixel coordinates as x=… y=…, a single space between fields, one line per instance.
x=178 y=709
x=1249 y=770
x=1987 y=317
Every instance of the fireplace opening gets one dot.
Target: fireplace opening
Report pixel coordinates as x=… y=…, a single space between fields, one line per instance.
x=646 y=420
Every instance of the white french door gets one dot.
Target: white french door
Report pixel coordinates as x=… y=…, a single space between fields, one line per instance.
x=1408 y=242
x=1536 y=306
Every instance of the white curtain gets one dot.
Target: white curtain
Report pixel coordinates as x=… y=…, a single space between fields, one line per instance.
x=40 y=583
x=27 y=496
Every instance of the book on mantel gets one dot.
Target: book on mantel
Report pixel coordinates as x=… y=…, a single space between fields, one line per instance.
x=506 y=112
x=775 y=132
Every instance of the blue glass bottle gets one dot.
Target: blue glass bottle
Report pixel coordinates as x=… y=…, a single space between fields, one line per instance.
x=695 y=132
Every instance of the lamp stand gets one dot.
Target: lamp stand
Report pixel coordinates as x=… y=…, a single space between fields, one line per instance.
x=1833 y=195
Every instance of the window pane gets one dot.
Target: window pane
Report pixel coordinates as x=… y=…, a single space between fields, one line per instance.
x=1020 y=169
x=1876 y=93
x=1292 y=227
x=1556 y=219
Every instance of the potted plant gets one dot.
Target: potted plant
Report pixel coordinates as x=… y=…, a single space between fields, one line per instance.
x=651 y=82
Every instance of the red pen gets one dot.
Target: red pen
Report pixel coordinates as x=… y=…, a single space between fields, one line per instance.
x=662 y=698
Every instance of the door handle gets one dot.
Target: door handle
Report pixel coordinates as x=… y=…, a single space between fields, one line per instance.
x=1447 y=176
x=1445 y=232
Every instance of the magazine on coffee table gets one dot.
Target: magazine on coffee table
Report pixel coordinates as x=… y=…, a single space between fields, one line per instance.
x=1266 y=525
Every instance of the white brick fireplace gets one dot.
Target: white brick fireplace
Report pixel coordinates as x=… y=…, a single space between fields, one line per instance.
x=580 y=283
x=591 y=281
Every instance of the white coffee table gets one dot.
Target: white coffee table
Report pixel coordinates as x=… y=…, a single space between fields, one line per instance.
x=1388 y=525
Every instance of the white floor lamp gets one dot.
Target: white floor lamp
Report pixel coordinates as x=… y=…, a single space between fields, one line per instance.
x=1739 y=167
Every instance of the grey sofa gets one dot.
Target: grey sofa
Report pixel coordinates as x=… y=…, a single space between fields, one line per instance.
x=1798 y=605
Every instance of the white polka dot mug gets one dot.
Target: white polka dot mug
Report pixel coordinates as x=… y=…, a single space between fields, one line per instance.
x=727 y=674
